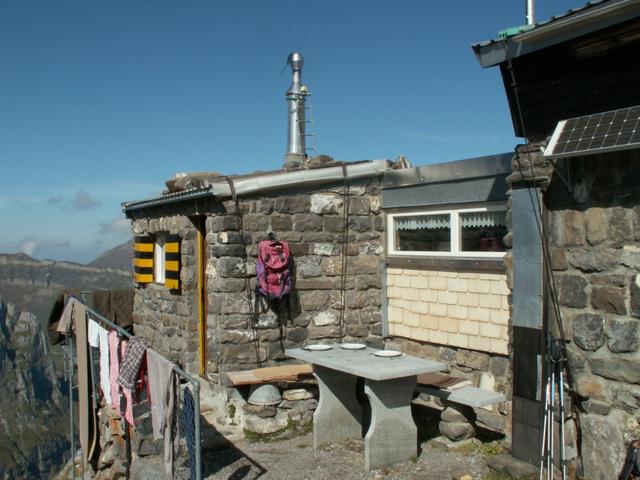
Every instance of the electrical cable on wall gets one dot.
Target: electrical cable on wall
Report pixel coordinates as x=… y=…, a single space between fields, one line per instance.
x=252 y=314
x=551 y=284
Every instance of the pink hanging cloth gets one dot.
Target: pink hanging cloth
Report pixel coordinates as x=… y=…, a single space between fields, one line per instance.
x=128 y=394
x=114 y=368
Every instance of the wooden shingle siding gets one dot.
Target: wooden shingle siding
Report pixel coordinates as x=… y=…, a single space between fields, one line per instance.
x=143 y=259
x=172 y=262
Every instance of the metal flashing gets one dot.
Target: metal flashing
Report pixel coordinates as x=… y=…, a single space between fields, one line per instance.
x=487 y=166
x=269 y=181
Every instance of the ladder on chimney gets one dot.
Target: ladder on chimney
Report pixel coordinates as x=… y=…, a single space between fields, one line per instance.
x=310 y=126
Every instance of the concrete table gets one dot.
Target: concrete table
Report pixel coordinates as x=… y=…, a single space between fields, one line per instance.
x=389 y=385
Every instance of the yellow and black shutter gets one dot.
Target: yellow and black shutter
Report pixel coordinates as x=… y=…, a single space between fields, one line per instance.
x=143 y=259
x=172 y=262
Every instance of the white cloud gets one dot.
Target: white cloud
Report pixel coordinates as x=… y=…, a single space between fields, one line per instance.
x=118 y=227
x=33 y=246
x=84 y=201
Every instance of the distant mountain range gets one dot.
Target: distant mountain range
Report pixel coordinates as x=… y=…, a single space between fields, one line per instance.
x=34 y=285
x=33 y=435
x=120 y=258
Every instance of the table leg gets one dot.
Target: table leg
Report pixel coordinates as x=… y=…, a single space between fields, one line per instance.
x=338 y=415
x=392 y=436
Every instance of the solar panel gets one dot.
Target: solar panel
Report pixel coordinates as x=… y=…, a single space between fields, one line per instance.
x=597 y=133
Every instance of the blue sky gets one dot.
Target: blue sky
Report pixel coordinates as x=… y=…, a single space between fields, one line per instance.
x=101 y=102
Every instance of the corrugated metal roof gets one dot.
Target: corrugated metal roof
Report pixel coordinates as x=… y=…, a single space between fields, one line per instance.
x=574 y=23
x=190 y=194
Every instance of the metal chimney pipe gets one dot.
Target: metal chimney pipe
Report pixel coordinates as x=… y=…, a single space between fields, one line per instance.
x=296 y=96
x=531 y=16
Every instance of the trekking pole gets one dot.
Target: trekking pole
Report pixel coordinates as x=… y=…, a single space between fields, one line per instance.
x=552 y=401
x=563 y=458
x=544 y=431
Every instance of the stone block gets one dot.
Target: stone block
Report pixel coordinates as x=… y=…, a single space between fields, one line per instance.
x=622 y=336
x=597 y=225
x=499 y=366
x=333 y=224
x=608 y=279
x=596 y=407
x=602 y=441
x=456 y=431
x=364 y=264
x=572 y=291
x=292 y=204
x=297 y=394
x=634 y=290
x=279 y=223
x=358 y=206
x=609 y=299
x=594 y=260
x=616 y=368
x=325 y=249
x=588 y=331
x=325 y=318
x=559 y=259
x=307 y=222
x=226 y=251
x=219 y=223
x=469 y=327
x=621 y=225
x=324 y=204
x=491 y=330
x=473 y=360
x=314 y=299
x=360 y=223
x=297 y=335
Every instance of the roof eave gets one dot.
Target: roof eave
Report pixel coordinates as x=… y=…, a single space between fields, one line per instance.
x=495 y=52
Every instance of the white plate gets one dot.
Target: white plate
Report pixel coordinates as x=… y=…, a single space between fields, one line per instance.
x=387 y=353
x=318 y=347
x=353 y=346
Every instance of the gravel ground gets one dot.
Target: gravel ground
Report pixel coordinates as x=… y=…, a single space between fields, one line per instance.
x=296 y=459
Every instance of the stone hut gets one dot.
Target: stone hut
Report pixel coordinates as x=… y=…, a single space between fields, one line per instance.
x=571 y=83
x=195 y=250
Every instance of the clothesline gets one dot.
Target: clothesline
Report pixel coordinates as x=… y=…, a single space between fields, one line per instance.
x=96 y=316
x=139 y=364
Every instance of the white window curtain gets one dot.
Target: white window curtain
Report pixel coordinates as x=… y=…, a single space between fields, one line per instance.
x=422 y=222
x=482 y=219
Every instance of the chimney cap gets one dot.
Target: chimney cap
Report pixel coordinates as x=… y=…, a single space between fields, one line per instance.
x=295 y=60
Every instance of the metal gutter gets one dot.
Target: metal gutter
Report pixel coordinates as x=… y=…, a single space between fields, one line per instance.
x=575 y=23
x=487 y=166
x=297 y=179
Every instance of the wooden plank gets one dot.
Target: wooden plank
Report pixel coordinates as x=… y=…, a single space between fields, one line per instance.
x=282 y=373
x=442 y=381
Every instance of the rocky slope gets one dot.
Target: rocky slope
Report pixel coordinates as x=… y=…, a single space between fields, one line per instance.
x=34 y=285
x=34 y=420
x=120 y=257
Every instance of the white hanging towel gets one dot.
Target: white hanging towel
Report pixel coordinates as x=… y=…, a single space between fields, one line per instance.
x=105 y=385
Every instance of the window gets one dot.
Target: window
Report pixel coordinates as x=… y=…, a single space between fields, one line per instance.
x=159 y=258
x=463 y=232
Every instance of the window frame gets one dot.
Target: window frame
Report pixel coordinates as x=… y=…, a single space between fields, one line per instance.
x=159 y=258
x=456 y=237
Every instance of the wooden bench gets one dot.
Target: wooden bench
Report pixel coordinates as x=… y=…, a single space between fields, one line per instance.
x=457 y=390
x=257 y=376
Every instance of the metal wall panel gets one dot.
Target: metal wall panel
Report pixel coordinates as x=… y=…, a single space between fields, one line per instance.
x=527 y=259
x=488 y=189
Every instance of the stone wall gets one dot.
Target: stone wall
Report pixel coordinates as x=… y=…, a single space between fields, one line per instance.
x=456 y=309
x=312 y=222
x=593 y=234
x=165 y=319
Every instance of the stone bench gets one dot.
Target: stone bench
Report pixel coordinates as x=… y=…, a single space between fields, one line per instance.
x=258 y=376
x=457 y=420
